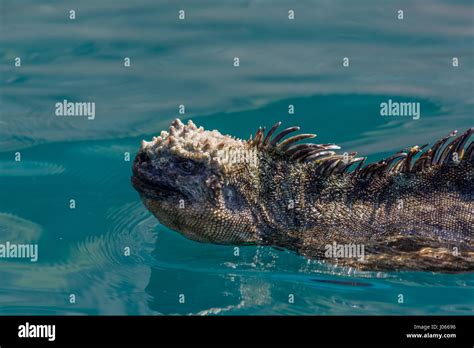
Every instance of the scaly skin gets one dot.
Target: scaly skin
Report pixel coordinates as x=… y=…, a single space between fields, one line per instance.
x=407 y=213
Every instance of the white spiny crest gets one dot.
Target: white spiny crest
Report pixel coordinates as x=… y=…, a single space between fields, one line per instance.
x=192 y=142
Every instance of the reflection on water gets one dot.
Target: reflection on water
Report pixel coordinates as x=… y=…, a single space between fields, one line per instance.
x=84 y=251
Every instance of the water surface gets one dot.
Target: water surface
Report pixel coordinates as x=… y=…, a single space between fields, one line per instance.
x=190 y=62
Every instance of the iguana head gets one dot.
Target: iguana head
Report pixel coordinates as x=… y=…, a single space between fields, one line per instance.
x=185 y=177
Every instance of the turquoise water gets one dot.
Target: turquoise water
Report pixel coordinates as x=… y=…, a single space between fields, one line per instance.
x=190 y=62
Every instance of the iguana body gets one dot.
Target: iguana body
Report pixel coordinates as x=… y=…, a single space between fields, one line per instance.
x=407 y=213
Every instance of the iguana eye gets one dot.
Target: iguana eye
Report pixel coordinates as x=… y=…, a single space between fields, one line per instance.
x=187 y=166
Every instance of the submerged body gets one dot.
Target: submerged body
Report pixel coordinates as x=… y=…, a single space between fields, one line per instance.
x=404 y=213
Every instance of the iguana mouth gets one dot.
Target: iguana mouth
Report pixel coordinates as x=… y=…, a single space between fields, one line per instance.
x=153 y=190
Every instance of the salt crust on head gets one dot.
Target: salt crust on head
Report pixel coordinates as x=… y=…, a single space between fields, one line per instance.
x=189 y=141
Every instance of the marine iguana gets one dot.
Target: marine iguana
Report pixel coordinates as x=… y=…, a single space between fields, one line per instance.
x=408 y=211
